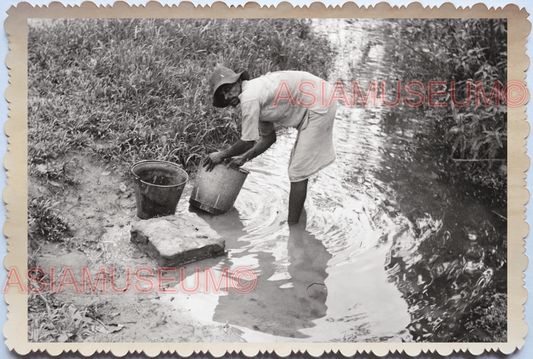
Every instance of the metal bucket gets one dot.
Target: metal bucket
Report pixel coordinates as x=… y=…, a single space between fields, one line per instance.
x=158 y=187
x=216 y=191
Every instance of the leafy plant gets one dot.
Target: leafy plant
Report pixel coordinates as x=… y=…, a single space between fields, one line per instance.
x=45 y=222
x=124 y=90
x=470 y=56
x=52 y=320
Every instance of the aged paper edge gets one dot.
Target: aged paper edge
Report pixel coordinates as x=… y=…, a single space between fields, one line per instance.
x=15 y=162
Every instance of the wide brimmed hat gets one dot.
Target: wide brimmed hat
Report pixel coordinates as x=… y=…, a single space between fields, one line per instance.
x=222 y=76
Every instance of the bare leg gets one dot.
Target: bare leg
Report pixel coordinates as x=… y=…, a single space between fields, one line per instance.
x=297 y=200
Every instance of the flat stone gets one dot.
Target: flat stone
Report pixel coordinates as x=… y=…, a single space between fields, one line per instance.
x=176 y=240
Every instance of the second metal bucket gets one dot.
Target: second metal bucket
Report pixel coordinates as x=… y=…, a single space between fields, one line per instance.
x=158 y=187
x=216 y=191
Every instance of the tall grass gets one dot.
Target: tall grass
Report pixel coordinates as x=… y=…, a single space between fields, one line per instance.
x=134 y=89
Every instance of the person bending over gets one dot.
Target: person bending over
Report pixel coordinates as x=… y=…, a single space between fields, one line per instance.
x=287 y=99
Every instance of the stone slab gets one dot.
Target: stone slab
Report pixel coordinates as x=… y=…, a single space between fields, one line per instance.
x=177 y=240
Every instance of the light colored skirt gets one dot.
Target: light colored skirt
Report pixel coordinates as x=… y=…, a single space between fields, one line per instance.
x=313 y=149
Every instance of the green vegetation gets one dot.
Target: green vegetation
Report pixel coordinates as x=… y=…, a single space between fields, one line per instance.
x=114 y=92
x=119 y=91
x=45 y=221
x=465 y=148
x=52 y=320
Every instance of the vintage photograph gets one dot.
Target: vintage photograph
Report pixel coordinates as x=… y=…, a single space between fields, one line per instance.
x=281 y=180
x=267 y=180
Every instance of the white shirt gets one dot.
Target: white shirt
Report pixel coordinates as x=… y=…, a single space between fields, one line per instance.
x=281 y=99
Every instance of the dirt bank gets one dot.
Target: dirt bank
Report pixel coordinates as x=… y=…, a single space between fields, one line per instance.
x=100 y=208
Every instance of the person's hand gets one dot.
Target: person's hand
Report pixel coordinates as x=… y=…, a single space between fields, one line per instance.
x=236 y=162
x=212 y=160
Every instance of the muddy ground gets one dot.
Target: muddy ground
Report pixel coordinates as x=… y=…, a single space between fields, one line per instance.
x=100 y=210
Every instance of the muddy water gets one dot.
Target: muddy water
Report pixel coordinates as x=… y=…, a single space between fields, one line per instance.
x=387 y=251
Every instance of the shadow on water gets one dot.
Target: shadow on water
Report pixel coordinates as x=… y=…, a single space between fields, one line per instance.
x=283 y=301
x=450 y=259
x=282 y=306
x=451 y=263
x=320 y=280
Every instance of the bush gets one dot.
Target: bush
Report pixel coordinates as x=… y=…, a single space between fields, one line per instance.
x=45 y=222
x=467 y=52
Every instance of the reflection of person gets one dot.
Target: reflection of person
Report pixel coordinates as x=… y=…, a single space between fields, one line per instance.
x=286 y=98
x=284 y=305
x=309 y=259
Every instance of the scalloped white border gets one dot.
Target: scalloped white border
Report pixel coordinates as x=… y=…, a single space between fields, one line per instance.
x=15 y=162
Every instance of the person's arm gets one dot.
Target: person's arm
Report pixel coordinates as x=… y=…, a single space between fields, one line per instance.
x=236 y=149
x=263 y=144
x=250 y=130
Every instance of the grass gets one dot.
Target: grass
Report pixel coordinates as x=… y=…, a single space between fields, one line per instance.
x=464 y=51
x=45 y=220
x=127 y=90
x=135 y=89
x=54 y=320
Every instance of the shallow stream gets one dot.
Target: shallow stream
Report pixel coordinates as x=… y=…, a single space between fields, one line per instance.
x=387 y=251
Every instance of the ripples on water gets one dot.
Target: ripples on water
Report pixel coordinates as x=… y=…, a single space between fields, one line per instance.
x=323 y=279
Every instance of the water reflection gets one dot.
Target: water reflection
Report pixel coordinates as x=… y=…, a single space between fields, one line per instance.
x=452 y=257
x=282 y=304
x=449 y=257
x=450 y=264
x=324 y=279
